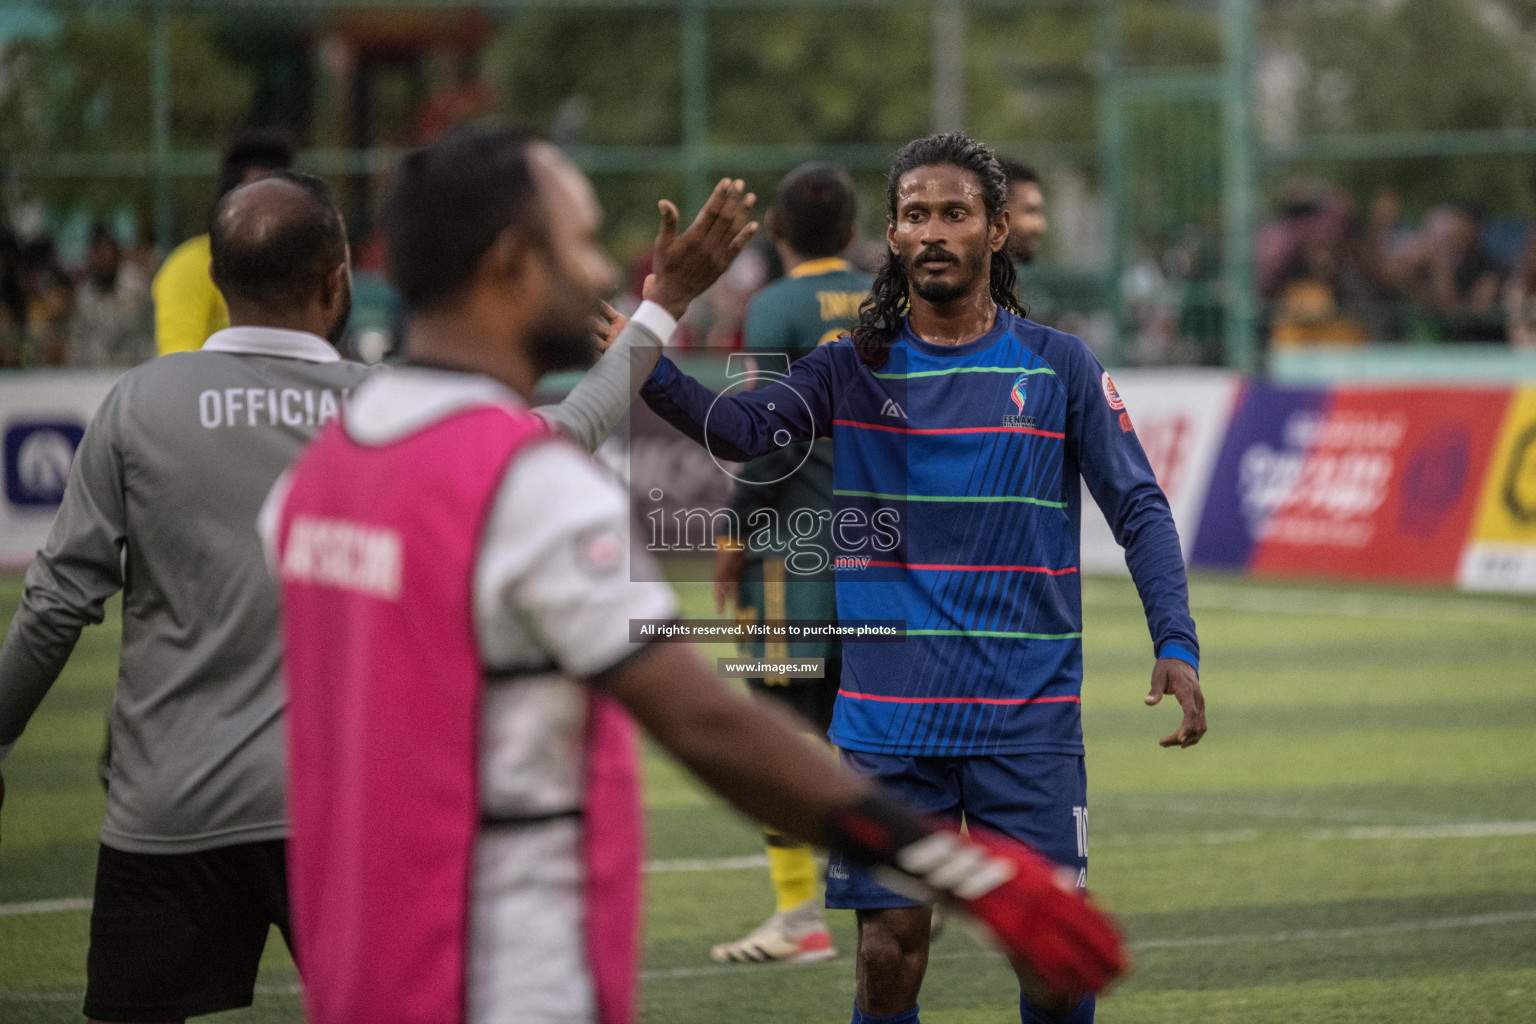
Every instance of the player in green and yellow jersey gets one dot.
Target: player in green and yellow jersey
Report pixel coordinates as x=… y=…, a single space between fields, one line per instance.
x=787 y=572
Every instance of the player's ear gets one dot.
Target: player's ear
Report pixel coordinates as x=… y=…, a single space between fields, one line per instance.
x=334 y=286
x=997 y=231
x=513 y=258
x=890 y=235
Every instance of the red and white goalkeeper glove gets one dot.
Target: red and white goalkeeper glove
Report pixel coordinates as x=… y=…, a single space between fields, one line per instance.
x=1030 y=906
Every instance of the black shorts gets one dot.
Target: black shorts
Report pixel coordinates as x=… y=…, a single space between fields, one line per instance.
x=180 y=934
x=811 y=699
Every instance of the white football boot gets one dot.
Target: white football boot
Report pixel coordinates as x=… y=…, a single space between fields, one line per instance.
x=794 y=936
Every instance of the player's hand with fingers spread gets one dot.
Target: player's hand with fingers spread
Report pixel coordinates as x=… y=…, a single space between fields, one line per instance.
x=1178 y=677
x=688 y=263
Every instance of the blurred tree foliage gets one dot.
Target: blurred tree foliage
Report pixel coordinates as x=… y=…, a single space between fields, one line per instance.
x=86 y=90
x=782 y=75
x=1416 y=66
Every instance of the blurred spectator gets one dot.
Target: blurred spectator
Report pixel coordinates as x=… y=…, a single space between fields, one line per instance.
x=1026 y=231
x=1520 y=299
x=48 y=294
x=1308 y=307
x=188 y=308
x=13 y=302
x=140 y=253
x=1450 y=281
x=1319 y=271
x=1026 y=211
x=111 y=325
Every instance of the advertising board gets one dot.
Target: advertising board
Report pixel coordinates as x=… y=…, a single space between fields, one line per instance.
x=1388 y=486
x=43 y=415
x=1180 y=417
x=1500 y=554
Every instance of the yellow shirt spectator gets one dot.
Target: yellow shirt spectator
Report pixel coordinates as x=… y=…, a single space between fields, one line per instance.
x=188 y=308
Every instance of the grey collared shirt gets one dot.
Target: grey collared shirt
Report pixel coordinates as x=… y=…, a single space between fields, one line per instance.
x=162 y=503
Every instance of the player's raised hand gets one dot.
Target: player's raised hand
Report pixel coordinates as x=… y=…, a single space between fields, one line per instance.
x=1178 y=677
x=688 y=263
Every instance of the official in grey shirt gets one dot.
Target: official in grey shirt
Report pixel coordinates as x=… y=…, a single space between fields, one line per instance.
x=161 y=503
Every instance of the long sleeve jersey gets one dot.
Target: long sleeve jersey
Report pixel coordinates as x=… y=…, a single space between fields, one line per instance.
x=957 y=509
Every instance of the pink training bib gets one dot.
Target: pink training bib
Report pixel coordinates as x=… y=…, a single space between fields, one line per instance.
x=377 y=553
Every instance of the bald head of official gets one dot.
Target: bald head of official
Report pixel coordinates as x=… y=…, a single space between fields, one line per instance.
x=280 y=256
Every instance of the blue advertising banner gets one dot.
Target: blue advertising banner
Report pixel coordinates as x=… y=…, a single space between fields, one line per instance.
x=1259 y=466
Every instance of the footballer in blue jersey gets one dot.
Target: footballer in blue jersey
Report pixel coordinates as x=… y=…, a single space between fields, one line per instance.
x=964 y=432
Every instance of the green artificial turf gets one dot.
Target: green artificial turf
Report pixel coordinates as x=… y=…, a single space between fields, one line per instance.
x=1355 y=841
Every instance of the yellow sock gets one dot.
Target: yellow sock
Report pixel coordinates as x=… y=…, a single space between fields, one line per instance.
x=791 y=868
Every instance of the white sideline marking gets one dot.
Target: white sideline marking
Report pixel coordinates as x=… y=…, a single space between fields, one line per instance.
x=753 y=861
x=76 y=995
x=1216 y=597
x=1298 y=935
x=1467 y=830
x=44 y=906
x=748 y=861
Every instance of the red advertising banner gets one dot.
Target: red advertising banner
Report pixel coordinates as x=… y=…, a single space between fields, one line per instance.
x=1388 y=487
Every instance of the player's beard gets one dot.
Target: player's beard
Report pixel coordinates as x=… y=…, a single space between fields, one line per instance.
x=563 y=340
x=554 y=346
x=974 y=264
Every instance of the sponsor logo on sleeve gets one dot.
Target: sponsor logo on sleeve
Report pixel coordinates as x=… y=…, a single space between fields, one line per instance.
x=1110 y=394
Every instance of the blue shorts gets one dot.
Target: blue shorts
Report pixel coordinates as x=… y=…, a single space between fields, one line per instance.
x=1039 y=799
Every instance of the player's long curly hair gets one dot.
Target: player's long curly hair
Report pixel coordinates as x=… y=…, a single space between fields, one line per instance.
x=881 y=314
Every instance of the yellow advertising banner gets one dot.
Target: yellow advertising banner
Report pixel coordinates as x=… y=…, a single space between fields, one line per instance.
x=1501 y=552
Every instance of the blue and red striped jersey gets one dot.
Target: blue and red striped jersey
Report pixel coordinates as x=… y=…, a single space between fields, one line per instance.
x=957 y=488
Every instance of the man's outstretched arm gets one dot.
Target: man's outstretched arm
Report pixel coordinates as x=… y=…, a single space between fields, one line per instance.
x=742 y=425
x=592 y=411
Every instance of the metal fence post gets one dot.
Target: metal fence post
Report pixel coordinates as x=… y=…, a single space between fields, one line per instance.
x=1238 y=191
x=160 y=105
x=695 y=56
x=1112 y=167
x=949 y=66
